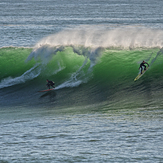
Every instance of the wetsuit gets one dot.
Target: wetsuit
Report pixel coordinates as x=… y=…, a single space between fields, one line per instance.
x=143 y=65
x=50 y=83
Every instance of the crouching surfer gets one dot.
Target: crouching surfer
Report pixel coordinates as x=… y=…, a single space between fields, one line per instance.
x=143 y=65
x=50 y=83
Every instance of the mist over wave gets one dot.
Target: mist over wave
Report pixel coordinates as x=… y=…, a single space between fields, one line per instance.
x=94 y=36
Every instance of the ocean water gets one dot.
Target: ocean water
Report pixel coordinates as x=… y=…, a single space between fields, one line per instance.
x=92 y=51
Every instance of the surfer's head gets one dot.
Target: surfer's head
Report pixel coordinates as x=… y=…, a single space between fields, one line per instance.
x=143 y=61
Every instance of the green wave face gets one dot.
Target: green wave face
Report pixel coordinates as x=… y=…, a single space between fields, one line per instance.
x=120 y=66
x=96 y=75
x=12 y=61
x=107 y=66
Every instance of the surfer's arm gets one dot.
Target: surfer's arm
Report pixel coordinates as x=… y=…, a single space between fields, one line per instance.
x=147 y=64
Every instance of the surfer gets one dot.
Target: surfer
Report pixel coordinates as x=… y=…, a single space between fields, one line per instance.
x=50 y=83
x=143 y=65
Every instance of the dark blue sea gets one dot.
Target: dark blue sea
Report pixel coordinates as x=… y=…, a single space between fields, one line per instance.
x=92 y=50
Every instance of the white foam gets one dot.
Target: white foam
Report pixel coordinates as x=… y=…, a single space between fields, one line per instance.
x=28 y=75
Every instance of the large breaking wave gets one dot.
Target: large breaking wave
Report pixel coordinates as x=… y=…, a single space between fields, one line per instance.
x=100 y=60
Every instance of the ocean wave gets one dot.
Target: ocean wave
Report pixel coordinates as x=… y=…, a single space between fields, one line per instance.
x=96 y=70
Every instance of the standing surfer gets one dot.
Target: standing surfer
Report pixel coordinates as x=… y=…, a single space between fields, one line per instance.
x=50 y=83
x=143 y=65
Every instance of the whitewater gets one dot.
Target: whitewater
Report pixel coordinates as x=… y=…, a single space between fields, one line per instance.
x=92 y=51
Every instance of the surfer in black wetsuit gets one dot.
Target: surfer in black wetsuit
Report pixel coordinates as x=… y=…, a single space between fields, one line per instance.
x=143 y=65
x=50 y=83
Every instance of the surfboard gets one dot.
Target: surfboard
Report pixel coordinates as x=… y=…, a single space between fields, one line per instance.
x=47 y=90
x=140 y=75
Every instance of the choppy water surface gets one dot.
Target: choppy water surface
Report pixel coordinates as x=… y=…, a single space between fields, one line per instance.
x=124 y=135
